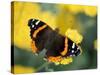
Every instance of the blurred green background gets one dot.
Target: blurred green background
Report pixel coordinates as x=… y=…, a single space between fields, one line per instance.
x=62 y=16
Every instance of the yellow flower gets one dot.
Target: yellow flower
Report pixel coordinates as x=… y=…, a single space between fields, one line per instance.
x=66 y=60
x=57 y=63
x=49 y=18
x=90 y=10
x=18 y=69
x=66 y=20
x=75 y=8
x=74 y=35
x=60 y=60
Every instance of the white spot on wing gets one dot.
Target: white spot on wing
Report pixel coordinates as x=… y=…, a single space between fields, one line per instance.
x=37 y=22
x=72 y=51
x=33 y=20
x=73 y=46
x=33 y=26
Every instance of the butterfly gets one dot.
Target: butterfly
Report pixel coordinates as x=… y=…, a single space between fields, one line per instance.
x=57 y=46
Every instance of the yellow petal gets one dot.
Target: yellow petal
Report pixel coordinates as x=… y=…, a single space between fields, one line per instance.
x=49 y=18
x=22 y=13
x=74 y=35
x=90 y=10
x=66 y=61
x=57 y=63
x=75 y=8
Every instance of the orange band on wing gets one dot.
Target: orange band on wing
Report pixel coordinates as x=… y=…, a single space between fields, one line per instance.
x=38 y=30
x=34 y=48
x=66 y=47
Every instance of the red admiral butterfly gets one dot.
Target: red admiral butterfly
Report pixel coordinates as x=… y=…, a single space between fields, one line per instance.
x=56 y=45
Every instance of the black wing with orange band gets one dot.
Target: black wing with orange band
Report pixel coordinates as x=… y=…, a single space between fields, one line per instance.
x=44 y=37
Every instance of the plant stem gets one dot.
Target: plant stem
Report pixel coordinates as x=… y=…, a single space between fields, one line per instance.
x=42 y=66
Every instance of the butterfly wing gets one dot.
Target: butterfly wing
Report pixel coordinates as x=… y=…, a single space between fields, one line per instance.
x=45 y=37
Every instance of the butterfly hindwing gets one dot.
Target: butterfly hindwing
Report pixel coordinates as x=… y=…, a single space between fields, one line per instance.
x=73 y=48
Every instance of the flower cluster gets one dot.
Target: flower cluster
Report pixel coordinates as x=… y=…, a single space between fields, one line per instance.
x=61 y=60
